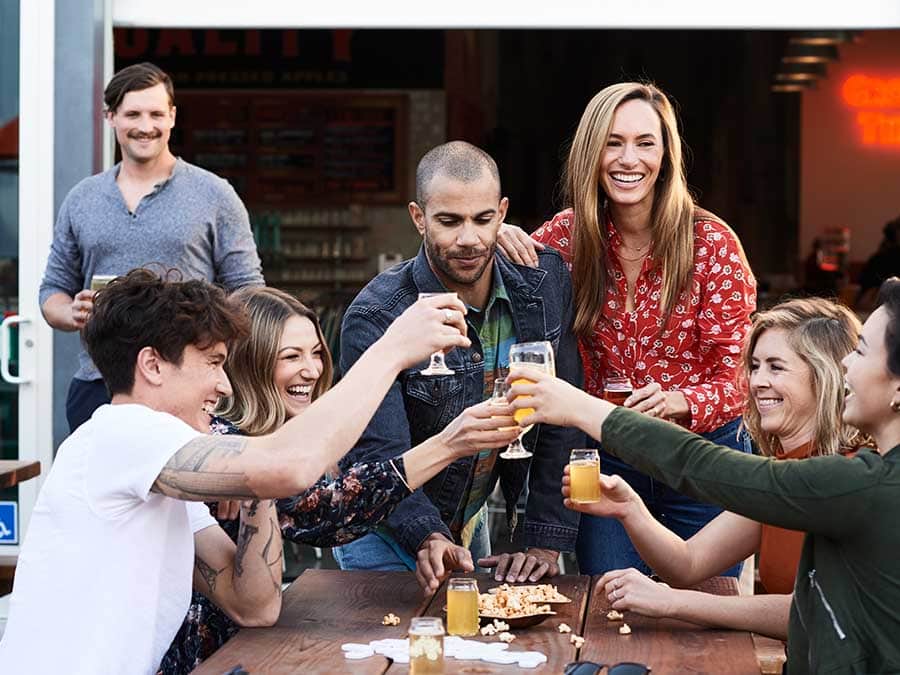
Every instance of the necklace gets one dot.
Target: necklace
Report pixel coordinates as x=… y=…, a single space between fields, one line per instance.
x=640 y=257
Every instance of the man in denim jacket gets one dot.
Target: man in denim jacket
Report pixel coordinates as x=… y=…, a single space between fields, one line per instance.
x=458 y=211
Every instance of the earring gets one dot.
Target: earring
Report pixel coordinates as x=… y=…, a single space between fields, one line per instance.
x=895 y=406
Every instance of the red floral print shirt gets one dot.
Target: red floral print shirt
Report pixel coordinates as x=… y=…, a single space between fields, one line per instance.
x=698 y=353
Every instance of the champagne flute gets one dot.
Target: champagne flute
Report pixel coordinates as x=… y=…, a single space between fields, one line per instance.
x=537 y=355
x=436 y=366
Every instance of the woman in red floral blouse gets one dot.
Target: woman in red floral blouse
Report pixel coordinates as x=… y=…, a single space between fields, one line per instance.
x=663 y=294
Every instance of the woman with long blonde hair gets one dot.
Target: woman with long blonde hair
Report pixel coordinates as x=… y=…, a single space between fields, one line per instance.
x=662 y=291
x=795 y=389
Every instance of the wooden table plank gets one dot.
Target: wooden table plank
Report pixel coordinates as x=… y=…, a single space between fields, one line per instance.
x=13 y=472
x=542 y=638
x=322 y=610
x=668 y=645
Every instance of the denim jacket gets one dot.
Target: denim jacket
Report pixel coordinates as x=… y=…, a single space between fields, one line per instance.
x=418 y=407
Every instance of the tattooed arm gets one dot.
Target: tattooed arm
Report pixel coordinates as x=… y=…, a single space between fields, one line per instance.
x=294 y=457
x=243 y=579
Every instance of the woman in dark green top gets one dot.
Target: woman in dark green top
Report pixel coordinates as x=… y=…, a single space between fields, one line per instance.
x=845 y=617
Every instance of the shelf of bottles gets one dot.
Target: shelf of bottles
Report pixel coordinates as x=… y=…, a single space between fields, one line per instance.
x=306 y=251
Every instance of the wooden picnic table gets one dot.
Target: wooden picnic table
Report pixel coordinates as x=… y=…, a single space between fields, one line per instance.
x=13 y=472
x=324 y=609
x=668 y=645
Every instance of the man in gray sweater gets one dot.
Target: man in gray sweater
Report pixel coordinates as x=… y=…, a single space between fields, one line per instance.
x=151 y=208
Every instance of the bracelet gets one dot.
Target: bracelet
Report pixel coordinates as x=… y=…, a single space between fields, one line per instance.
x=399 y=474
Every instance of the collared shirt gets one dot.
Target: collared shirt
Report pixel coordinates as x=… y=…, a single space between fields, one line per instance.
x=698 y=352
x=497 y=333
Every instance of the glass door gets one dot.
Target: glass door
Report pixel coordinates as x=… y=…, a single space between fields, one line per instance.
x=26 y=226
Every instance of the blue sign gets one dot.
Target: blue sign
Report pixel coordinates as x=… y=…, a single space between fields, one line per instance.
x=9 y=522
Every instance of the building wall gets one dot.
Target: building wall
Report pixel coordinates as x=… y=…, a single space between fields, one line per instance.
x=845 y=181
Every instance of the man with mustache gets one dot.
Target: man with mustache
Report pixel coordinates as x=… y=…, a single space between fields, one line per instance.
x=458 y=211
x=151 y=208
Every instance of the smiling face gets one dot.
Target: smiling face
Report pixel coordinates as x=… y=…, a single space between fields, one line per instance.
x=192 y=389
x=143 y=123
x=298 y=364
x=782 y=389
x=633 y=155
x=871 y=387
x=459 y=224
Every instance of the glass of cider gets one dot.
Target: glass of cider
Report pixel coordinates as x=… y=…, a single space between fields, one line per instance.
x=584 y=476
x=426 y=646
x=99 y=281
x=462 y=607
x=616 y=389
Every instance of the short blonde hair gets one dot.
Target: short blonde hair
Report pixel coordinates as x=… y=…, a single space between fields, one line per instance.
x=821 y=333
x=256 y=407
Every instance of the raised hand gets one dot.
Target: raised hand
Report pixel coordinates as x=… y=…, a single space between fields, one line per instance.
x=429 y=325
x=437 y=558
x=617 y=497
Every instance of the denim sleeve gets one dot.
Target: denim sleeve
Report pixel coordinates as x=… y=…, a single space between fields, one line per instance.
x=387 y=435
x=549 y=524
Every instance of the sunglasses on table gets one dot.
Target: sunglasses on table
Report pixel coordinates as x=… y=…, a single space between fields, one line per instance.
x=591 y=668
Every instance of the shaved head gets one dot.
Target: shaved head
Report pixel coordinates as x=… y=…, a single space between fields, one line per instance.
x=458 y=160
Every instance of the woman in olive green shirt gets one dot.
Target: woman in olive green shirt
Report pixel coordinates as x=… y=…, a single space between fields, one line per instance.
x=845 y=616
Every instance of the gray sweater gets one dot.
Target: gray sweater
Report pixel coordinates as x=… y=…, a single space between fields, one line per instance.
x=193 y=222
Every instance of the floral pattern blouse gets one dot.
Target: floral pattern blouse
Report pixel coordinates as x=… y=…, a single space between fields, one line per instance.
x=698 y=351
x=330 y=513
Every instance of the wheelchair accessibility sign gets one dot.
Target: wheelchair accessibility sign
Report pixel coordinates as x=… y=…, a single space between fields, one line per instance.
x=9 y=523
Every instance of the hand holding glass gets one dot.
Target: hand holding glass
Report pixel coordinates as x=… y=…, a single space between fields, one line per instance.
x=584 y=476
x=537 y=355
x=436 y=365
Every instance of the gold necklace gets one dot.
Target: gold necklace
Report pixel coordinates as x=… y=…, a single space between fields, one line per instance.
x=640 y=257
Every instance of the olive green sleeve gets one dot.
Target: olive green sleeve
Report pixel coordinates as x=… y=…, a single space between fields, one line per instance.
x=825 y=495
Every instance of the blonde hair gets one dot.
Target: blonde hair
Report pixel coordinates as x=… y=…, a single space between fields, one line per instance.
x=821 y=333
x=672 y=217
x=256 y=406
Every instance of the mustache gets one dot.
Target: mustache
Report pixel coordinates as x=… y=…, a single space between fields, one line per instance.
x=138 y=136
x=467 y=253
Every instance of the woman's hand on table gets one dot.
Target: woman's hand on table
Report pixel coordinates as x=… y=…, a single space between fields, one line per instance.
x=518 y=246
x=653 y=401
x=630 y=590
x=617 y=498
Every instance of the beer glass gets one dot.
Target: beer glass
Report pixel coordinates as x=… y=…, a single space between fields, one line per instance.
x=436 y=366
x=536 y=355
x=462 y=606
x=584 y=476
x=426 y=646
x=616 y=389
x=99 y=281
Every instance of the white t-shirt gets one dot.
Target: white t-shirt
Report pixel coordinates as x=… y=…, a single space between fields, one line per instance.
x=104 y=578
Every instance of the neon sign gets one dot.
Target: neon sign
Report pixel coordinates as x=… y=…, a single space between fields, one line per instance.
x=877 y=98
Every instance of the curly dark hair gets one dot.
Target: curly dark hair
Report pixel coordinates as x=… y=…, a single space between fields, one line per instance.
x=145 y=309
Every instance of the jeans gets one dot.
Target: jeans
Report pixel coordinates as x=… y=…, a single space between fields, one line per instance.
x=83 y=399
x=603 y=543
x=375 y=553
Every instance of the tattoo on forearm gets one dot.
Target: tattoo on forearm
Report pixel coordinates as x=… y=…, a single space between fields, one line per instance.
x=276 y=580
x=199 y=471
x=207 y=573
x=253 y=506
x=246 y=534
